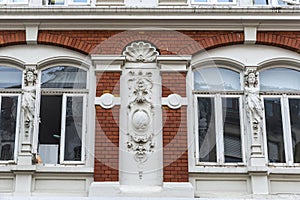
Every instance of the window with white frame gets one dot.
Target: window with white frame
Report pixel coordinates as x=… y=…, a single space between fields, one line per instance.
x=62 y=115
x=213 y=1
x=282 y=114
x=67 y=2
x=217 y=95
x=10 y=91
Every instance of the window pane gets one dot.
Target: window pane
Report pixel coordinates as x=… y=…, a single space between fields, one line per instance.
x=280 y=79
x=79 y=1
x=274 y=129
x=10 y=77
x=294 y=105
x=217 y=79
x=225 y=1
x=50 y=128
x=201 y=1
x=64 y=77
x=206 y=128
x=261 y=2
x=232 y=130
x=56 y=2
x=8 y=119
x=73 y=134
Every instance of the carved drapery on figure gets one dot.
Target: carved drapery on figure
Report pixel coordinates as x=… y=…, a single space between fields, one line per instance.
x=254 y=106
x=140 y=114
x=28 y=99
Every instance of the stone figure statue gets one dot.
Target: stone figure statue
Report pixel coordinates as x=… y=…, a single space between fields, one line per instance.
x=253 y=101
x=28 y=101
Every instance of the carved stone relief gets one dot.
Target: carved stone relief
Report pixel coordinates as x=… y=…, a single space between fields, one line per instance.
x=254 y=106
x=28 y=99
x=140 y=115
x=140 y=52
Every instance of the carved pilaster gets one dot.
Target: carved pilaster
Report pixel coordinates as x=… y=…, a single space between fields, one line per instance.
x=28 y=110
x=254 y=109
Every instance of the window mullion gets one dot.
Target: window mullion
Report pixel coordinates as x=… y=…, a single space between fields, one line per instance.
x=287 y=130
x=63 y=128
x=219 y=130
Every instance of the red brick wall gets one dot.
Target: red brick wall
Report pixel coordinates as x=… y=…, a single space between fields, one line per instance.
x=107 y=131
x=113 y=42
x=288 y=40
x=12 y=38
x=175 y=130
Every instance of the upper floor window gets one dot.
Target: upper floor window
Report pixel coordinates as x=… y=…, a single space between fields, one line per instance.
x=63 y=112
x=282 y=114
x=10 y=91
x=219 y=136
x=67 y=2
x=214 y=2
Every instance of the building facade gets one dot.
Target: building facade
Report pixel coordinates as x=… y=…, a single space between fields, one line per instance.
x=167 y=98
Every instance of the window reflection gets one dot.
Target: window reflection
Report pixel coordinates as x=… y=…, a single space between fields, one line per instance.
x=73 y=128
x=8 y=118
x=206 y=127
x=280 y=79
x=232 y=133
x=64 y=77
x=217 y=79
x=276 y=152
x=294 y=105
x=10 y=77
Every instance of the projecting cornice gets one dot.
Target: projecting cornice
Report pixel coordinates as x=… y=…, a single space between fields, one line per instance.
x=124 y=18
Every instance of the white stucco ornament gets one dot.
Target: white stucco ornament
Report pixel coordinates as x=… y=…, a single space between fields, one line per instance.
x=140 y=52
x=107 y=101
x=174 y=101
x=140 y=120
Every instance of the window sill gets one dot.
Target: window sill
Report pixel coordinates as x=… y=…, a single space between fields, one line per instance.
x=64 y=168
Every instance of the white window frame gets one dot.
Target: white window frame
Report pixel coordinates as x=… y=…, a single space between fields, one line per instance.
x=83 y=131
x=219 y=129
x=72 y=3
x=287 y=135
x=26 y=2
x=16 y=147
x=65 y=93
x=215 y=2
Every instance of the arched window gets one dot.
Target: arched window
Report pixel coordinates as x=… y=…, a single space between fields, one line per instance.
x=282 y=114
x=218 y=90
x=62 y=115
x=10 y=90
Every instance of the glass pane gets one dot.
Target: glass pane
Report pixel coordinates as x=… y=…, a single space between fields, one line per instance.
x=232 y=130
x=79 y=1
x=206 y=128
x=274 y=129
x=73 y=135
x=280 y=79
x=8 y=117
x=201 y=1
x=217 y=79
x=64 y=77
x=10 y=77
x=56 y=2
x=50 y=128
x=261 y=2
x=225 y=1
x=294 y=105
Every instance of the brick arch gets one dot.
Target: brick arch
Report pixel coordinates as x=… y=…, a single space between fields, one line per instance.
x=214 y=42
x=12 y=38
x=64 y=41
x=280 y=39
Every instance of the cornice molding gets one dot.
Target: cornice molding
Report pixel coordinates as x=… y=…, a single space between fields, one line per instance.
x=124 y=18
